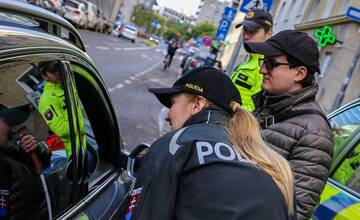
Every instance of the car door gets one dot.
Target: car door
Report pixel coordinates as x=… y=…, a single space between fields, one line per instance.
x=341 y=196
x=106 y=186
x=53 y=126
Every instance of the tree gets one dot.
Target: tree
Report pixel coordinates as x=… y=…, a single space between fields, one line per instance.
x=203 y=29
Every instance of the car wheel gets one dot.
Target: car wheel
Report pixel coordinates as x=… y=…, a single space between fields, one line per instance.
x=133 y=41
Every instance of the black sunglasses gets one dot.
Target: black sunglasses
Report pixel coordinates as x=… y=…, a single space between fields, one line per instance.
x=271 y=63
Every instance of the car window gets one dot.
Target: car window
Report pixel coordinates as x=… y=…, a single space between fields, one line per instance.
x=130 y=28
x=102 y=135
x=71 y=4
x=38 y=89
x=344 y=125
x=348 y=173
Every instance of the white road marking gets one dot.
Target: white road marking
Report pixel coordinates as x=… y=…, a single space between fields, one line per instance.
x=102 y=48
x=143 y=55
x=119 y=86
x=118 y=48
x=87 y=46
x=148 y=70
x=158 y=50
x=137 y=48
x=149 y=58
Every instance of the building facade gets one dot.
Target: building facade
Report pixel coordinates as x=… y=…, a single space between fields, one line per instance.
x=174 y=15
x=335 y=59
x=210 y=11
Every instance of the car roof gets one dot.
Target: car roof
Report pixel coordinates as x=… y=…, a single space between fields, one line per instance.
x=49 y=23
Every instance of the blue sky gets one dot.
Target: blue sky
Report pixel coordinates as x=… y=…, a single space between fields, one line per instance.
x=188 y=7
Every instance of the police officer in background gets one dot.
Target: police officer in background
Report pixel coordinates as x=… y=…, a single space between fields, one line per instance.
x=214 y=164
x=257 y=27
x=52 y=105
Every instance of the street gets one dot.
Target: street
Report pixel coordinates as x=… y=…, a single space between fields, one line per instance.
x=129 y=69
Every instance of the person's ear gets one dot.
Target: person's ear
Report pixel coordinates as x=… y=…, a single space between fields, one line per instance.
x=268 y=34
x=301 y=73
x=199 y=104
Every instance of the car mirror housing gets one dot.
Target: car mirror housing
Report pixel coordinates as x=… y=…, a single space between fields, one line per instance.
x=134 y=159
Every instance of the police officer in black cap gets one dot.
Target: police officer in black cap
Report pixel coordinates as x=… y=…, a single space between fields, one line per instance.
x=21 y=196
x=257 y=27
x=214 y=164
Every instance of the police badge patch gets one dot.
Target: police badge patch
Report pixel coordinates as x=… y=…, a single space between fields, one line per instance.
x=4 y=202
x=133 y=200
x=49 y=115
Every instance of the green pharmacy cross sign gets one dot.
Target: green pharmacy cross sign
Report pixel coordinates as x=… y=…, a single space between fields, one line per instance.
x=325 y=36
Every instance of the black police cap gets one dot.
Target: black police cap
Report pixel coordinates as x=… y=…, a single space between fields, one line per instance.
x=296 y=44
x=208 y=82
x=255 y=19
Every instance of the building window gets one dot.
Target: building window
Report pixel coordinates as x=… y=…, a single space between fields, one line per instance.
x=314 y=9
x=325 y=61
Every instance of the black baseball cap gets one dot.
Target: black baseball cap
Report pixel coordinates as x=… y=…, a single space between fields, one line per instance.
x=14 y=116
x=255 y=19
x=296 y=44
x=50 y=66
x=208 y=82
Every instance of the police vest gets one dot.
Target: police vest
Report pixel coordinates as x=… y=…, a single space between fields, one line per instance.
x=248 y=80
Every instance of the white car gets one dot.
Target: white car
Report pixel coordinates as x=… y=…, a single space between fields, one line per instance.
x=128 y=31
x=75 y=12
x=92 y=15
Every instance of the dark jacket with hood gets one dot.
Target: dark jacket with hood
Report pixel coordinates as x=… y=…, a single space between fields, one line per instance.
x=304 y=140
x=195 y=173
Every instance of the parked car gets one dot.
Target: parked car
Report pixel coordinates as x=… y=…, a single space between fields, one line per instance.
x=128 y=31
x=106 y=26
x=154 y=38
x=75 y=12
x=93 y=188
x=53 y=5
x=341 y=196
x=92 y=15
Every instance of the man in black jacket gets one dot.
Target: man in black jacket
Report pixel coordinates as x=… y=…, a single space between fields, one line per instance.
x=292 y=121
x=194 y=172
x=21 y=195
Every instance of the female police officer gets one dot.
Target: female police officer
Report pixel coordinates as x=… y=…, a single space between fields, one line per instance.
x=211 y=166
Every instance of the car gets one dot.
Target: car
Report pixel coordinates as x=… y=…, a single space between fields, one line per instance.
x=92 y=15
x=53 y=5
x=128 y=31
x=154 y=38
x=341 y=196
x=106 y=26
x=92 y=183
x=75 y=12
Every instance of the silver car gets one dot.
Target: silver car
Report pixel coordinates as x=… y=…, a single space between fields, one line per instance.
x=128 y=31
x=75 y=12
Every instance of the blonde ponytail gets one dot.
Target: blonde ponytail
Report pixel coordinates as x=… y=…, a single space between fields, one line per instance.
x=245 y=134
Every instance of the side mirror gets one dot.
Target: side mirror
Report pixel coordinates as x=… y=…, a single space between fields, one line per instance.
x=132 y=158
